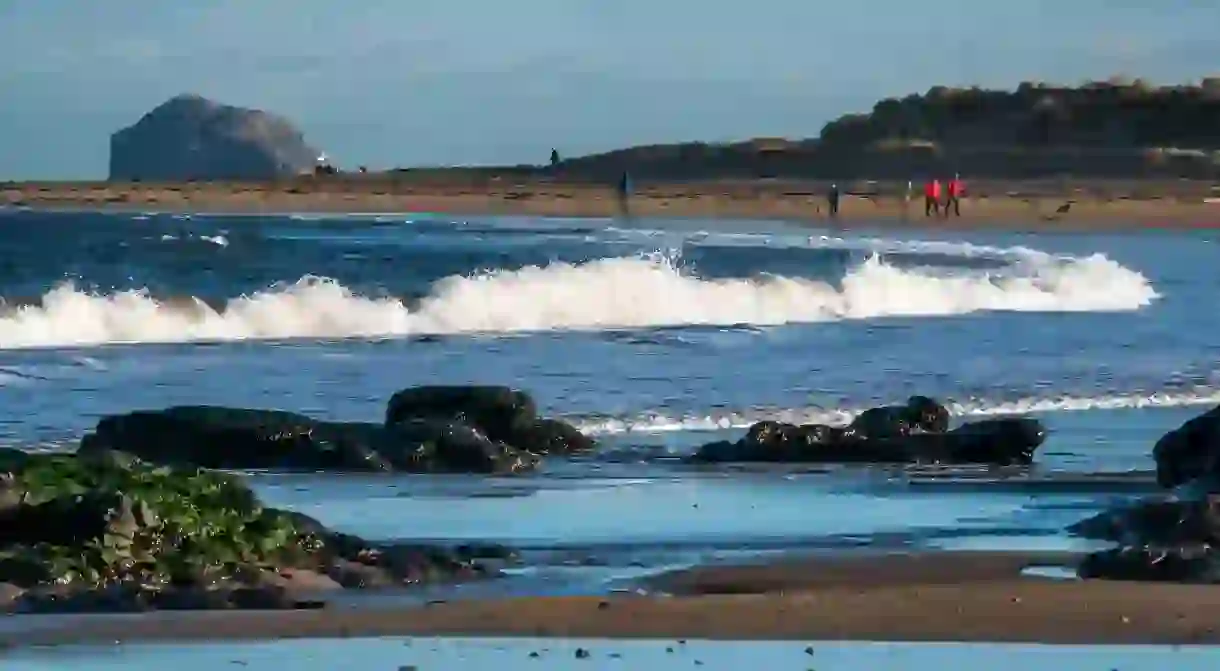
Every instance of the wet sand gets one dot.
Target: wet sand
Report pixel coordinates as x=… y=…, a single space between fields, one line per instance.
x=969 y=597
x=1005 y=205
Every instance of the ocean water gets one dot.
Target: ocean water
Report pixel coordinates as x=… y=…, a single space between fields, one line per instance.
x=655 y=335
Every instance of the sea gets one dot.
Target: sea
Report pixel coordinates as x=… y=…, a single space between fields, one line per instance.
x=653 y=335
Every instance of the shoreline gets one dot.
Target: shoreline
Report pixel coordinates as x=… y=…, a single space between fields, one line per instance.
x=935 y=596
x=1010 y=206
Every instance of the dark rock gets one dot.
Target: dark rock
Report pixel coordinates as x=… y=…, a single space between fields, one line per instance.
x=778 y=442
x=499 y=411
x=1190 y=451
x=1169 y=522
x=920 y=413
x=551 y=436
x=1001 y=441
x=1173 y=538
x=238 y=438
x=502 y=414
x=995 y=441
x=210 y=437
x=1182 y=564
x=192 y=138
x=437 y=445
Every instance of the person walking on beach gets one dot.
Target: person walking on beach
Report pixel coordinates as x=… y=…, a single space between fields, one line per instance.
x=832 y=201
x=931 y=198
x=956 y=190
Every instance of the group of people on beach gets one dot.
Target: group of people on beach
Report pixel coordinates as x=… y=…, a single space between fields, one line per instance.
x=939 y=198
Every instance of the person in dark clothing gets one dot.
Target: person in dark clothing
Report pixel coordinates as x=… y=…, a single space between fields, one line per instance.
x=624 y=193
x=554 y=158
x=832 y=200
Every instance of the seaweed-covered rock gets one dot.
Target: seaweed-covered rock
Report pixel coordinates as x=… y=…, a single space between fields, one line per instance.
x=106 y=531
x=889 y=436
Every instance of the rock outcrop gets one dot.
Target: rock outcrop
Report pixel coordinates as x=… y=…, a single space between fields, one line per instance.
x=192 y=138
x=1174 y=537
x=431 y=429
x=104 y=531
x=917 y=432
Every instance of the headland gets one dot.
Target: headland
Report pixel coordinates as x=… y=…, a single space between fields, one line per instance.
x=1111 y=154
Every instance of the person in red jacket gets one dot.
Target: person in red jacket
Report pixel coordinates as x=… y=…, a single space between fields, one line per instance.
x=956 y=191
x=931 y=198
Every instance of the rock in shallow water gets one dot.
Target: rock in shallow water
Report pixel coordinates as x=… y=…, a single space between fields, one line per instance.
x=917 y=432
x=1190 y=451
x=105 y=531
x=428 y=429
x=1172 y=538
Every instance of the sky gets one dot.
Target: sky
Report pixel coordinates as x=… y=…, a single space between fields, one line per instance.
x=387 y=83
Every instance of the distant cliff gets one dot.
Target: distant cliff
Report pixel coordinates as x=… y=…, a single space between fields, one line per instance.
x=1102 y=129
x=192 y=138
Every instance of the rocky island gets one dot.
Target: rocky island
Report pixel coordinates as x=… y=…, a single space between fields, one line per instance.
x=190 y=137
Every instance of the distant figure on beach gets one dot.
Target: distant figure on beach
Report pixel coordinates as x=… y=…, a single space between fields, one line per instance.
x=906 y=199
x=931 y=198
x=624 y=193
x=832 y=200
x=554 y=158
x=956 y=191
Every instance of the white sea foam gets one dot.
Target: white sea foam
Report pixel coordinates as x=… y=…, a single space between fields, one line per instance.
x=660 y=422
x=646 y=291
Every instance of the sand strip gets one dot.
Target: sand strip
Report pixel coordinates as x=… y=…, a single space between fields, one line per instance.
x=1009 y=206
x=940 y=597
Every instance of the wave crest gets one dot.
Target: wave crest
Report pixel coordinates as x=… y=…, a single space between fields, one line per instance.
x=624 y=292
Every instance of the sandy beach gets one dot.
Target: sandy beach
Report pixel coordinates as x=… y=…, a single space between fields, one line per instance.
x=1004 y=205
x=972 y=597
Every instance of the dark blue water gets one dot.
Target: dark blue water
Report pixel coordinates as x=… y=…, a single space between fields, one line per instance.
x=655 y=335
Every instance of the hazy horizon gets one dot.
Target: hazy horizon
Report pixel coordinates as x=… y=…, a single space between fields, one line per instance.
x=387 y=83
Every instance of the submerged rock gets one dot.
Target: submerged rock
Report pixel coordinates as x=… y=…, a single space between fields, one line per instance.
x=428 y=430
x=106 y=531
x=916 y=432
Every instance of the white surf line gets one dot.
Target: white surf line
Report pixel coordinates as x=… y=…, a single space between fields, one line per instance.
x=663 y=423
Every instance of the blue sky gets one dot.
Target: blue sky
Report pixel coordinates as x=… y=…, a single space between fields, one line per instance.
x=408 y=82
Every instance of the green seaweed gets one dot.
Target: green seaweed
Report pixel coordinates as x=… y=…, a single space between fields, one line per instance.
x=107 y=517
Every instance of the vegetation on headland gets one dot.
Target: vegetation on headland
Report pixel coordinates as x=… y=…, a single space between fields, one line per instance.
x=1114 y=129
